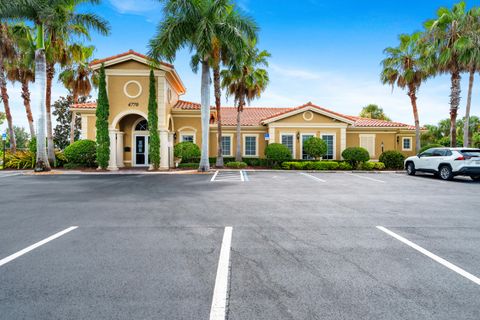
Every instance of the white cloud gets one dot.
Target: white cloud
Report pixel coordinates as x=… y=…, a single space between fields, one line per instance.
x=135 y=6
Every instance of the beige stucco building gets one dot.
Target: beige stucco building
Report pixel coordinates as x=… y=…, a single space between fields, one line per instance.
x=127 y=89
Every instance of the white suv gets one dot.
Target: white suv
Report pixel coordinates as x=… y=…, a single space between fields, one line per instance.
x=446 y=162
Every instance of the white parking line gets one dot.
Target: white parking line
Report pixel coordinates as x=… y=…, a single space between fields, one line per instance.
x=312 y=177
x=362 y=177
x=442 y=261
x=6 y=175
x=245 y=175
x=219 y=300
x=241 y=176
x=214 y=176
x=35 y=245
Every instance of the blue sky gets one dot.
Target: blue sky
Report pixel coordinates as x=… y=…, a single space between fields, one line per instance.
x=327 y=52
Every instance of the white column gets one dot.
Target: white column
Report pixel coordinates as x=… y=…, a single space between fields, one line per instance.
x=120 y=163
x=164 y=149
x=112 y=163
x=271 y=133
x=343 y=140
x=171 y=144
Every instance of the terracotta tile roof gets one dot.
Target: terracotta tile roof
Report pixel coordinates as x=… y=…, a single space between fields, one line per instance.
x=253 y=116
x=87 y=105
x=94 y=62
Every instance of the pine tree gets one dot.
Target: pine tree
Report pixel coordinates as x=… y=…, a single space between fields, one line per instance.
x=102 y=113
x=154 y=140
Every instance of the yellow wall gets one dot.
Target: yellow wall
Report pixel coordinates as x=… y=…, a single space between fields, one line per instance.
x=299 y=118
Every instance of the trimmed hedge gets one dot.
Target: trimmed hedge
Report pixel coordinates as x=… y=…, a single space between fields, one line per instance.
x=187 y=151
x=277 y=153
x=236 y=165
x=188 y=165
x=81 y=153
x=315 y=165
x=392 y=159
x=355 y=156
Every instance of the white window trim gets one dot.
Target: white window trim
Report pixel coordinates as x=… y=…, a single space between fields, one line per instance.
x=256 y=145
x=301 y=141
x=374 y=144
x=293 y=141
x=231 y=143
x=334 y=142
x=187 y=131
x=411 y=140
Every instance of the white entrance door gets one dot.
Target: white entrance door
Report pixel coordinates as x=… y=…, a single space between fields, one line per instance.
x=140 y=156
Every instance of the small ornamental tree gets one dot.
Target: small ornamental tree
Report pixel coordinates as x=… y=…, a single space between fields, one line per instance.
x=392 y=159
x=187 y=151
x=154 y=139
x=315 y=147
x=355 y=156
x=276 y=153
x=102 y=113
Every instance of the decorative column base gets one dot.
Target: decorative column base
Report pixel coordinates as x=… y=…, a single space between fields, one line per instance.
x=112 y=163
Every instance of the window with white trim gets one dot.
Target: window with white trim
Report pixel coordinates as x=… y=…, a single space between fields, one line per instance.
x=305 y=137
x=406 y=144
x=250 y=146
x=367 y=141
x=287 y=141
x=329 y=140
x=226 y=146
x=187 y=138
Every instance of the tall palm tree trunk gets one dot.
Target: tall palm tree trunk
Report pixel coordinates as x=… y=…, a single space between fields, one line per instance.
x=48 y=96
x=413 y=100
x=454 y=103
x=26 y=103
x=218 y=106
x=6 y=104
x=238 y=152
x=73 y=121
x=205 y=113
x=42 y=163
x=466 y=125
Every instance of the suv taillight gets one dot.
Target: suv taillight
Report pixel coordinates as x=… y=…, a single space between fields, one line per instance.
x=463 y=158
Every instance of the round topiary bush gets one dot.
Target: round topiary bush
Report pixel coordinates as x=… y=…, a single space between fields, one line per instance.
x=187 y=151
x=355 y=156
x=315 y=147
x=81 y=153
x=276 y=153
x=429 y=146
x=392 y=159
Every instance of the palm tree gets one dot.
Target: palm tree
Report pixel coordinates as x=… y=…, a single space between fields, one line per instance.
x=204 y=26
x=245 y=80
x=471 y=59
x=446 y=35
x=7 y=52
x=78 y=78
x=373 y=111
x=406 y=67
x=22 y=68
x=66 y=23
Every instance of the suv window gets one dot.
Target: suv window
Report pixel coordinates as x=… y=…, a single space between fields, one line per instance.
x=427 y=153
x=438 y=153
x=471 y=153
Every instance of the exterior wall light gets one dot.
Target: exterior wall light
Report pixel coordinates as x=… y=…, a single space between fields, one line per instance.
x=298 y=135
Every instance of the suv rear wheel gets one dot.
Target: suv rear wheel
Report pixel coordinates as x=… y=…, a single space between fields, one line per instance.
x=445 y=173
x=475 y=178
x=410 y=169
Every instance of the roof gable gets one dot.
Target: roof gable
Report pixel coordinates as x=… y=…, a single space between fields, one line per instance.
x=127 y=56
x=308 y=107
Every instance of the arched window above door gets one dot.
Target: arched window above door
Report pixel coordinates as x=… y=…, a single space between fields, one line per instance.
x=142 y=126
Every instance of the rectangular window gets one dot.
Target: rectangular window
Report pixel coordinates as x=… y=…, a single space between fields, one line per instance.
x=226 y=145
x=407 y=144
x=287 y=140
x=329 y=140
x=250 y=146
x=305 y=137
x=367 y=141
x=187 y=138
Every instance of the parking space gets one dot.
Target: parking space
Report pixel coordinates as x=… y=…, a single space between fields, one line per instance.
x=303 y=246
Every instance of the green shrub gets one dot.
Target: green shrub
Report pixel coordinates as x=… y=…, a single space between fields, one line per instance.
x=367 y=165
x=379 y=165
x=392 y=159
x=344 y=166
x=277 y=153
x=432 y=145
x=82 y=153
x=20 y=160
x=476 y=140
x=60 y=158
x=293 y=165
x=187 y=151
x=310 y=165
x=188 y=165
x=236 y=165
x=355 y=156
x=315 y=147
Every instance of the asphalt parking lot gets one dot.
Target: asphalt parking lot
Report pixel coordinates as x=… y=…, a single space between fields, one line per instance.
x=240 y=245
